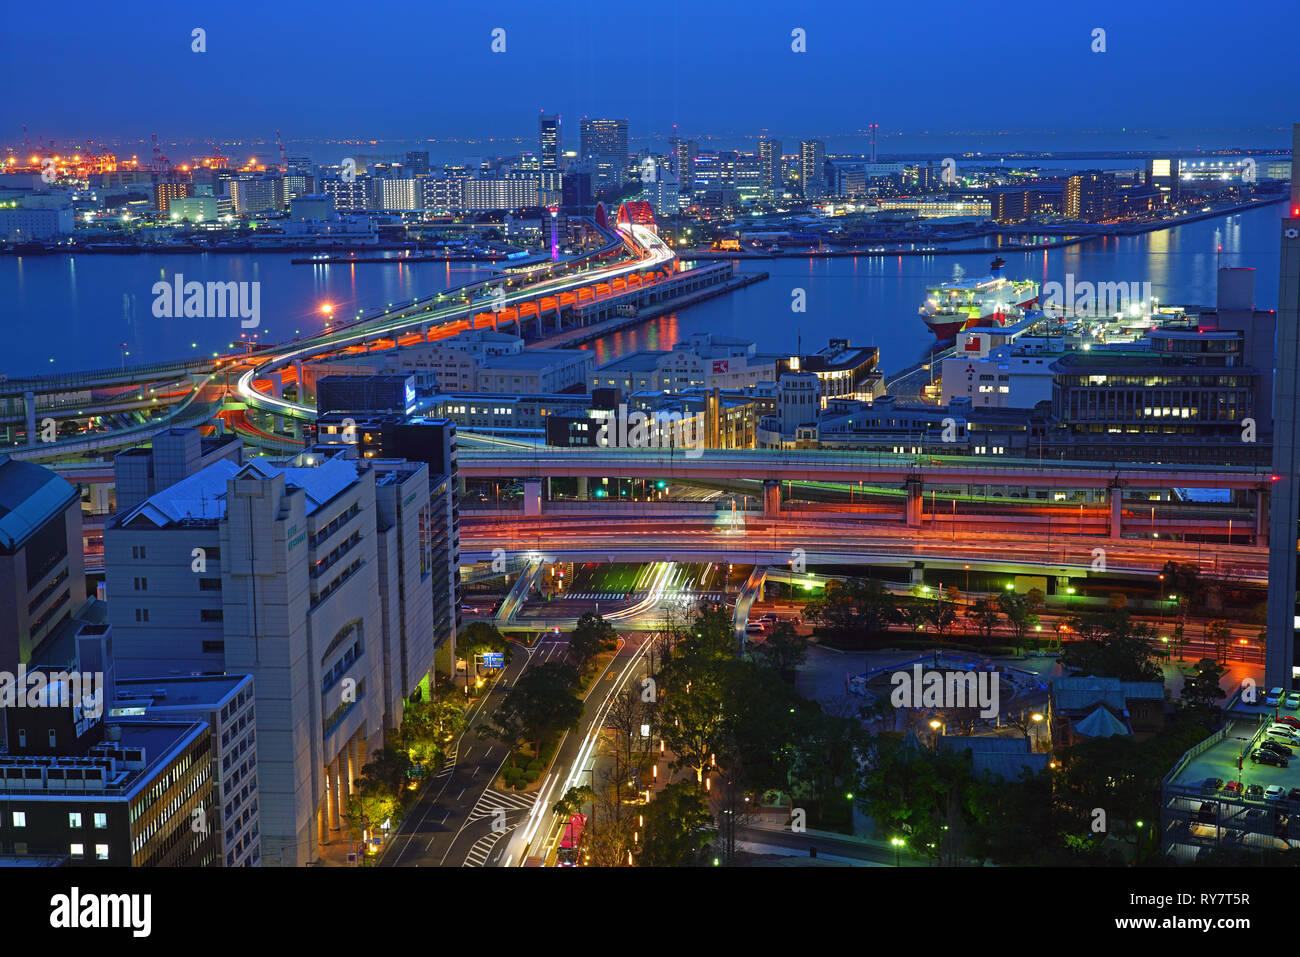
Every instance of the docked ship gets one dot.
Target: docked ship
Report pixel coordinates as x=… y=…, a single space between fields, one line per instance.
x=963 y=303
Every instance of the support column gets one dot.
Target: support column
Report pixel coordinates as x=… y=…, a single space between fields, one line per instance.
x=335 y=774
x=582 y=488
x=915 y=499
x=322 y=821
x=29 y=403
x=918 y=573
x=532 y=497
x=771 y=498
x=1261 y=516
x=1116 y=512
x=354 y=771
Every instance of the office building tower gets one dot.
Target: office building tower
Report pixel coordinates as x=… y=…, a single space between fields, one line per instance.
x=42 y=572
x=685 y=152
x=225 y=704
x=550 y=141
x=603 y=145
x=275 y=570
x=1281 y=665
x=1163 y=176
x=812 y=176
x=93 y=793
x=417 y=162
x=769 y=167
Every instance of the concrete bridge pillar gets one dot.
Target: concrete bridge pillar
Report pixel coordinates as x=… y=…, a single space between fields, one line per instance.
x=29 y=403
x=532 y=497
x=99 y=497
x=918 y=573
x=1261 y=516
x=1116 y=512
x=424 y=331
x=915 y=499
x=582 y=488
x=771 y=498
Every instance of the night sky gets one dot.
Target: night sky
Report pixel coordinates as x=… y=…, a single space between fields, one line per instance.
x=1201 y=72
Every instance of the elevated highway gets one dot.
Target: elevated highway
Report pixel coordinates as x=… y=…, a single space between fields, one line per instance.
x=828 y=543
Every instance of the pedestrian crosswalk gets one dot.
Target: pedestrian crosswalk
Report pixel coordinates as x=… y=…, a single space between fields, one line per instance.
x=491 y=801
x=478 y=854
x=449 y=768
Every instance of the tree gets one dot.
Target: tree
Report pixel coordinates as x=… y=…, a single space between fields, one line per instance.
x=540 y=707
x=1112 y=645
x=985 y=614
x=1202 y=689
x=939 y=615
x=428 y=727
x=677 y=826
x=1219 y=634
x=692 y=698
x=591 y=635
x=476 y=638
x=385 y=774
x=854 y=608
x=784 y=650
x=1019 y=610
x=828 y=756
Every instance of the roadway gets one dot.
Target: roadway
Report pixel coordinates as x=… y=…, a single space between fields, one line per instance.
x=461 y=819
x=751 y=540
x=653 y=253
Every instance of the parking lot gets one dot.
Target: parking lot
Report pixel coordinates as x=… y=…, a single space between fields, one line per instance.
x=1212 y=804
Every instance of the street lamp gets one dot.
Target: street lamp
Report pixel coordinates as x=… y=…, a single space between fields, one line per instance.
x=898 y=844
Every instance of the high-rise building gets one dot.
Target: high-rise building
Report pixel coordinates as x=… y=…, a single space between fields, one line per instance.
x=417 y=162
x=1163 y=175
x=684 y=153
x=1091 y=196
x=120 y=793
x=225 y=704
x=550 y=141
x=294 y=573
x=42 y=574
x=603 y=145
x=1281 y=665
x=812 y=162
x=769 y=167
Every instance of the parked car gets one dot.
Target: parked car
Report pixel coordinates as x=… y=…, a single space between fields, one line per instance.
x=1254 y=792
x=1293 y=794
x=1211 y=785
x=1273 y=697
x=1288 y=734
x=1281 y=750
x=1293 y=701
x=1232 y=788
x=756 y=628
x=1260 y=756
x=1289 y=721
x=1274 y=792
x=1207 y=812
